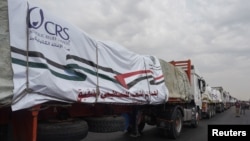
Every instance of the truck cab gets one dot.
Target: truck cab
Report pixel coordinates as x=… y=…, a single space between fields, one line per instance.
x=198 y=86
x=197 y=83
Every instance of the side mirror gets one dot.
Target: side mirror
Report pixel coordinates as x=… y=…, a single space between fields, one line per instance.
x=202 y=85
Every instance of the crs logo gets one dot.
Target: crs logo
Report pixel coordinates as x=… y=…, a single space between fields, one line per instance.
x=36 y=20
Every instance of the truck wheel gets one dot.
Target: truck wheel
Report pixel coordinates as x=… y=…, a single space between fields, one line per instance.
x=196 y=121
x=176 y=125
x=106 y=124
x=214 y=111
x=70 y=130
x=209 y=114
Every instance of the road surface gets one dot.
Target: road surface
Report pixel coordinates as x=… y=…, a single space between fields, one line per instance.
x=188 y=134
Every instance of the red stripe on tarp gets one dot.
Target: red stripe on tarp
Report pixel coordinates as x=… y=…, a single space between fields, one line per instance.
x=121 y=78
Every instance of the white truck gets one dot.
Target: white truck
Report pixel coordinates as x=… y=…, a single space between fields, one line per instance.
x=60 y=83
x=227 y=97
x=208 y=103
x=220 y=105
x=185 y=87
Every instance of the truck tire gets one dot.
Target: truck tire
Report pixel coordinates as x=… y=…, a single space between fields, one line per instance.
x=70 y=130
x=209 y=113
x=106 y=124
x=196 y=122
x=176 y=126
x=214 y=111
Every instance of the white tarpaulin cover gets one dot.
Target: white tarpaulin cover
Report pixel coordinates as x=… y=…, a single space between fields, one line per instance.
x=216 y=95
x=54 y=60
x=207 y=95
x=176 y=80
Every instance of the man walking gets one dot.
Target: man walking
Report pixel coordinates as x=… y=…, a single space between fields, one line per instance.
x=242 y=108
x=237 y=108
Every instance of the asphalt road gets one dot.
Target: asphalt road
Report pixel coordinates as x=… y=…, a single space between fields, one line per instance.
x=188 y=134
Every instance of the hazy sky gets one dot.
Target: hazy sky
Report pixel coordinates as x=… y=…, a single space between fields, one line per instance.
x=213 y=34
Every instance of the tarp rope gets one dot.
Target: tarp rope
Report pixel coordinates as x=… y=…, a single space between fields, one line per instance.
x=97 y=74
x=27 y=89
x=147 y=79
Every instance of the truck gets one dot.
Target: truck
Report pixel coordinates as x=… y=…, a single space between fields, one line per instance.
x=227 y=98
x=208 y=103
x=185 y=86
x=219 y=92
x=57 y=83
x=197 y=83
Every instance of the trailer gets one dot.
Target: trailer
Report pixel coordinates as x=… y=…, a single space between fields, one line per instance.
x=219 y=92
x=58 y=83
x=208 y=103
x=227 y=97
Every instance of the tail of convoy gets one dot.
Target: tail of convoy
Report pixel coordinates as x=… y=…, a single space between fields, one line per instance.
x=220 y=106
x=215 y=100
x=60 y=85
x=224 y=97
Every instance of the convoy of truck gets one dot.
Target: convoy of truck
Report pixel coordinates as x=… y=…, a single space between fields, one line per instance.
x=60 y=86
x=215 y=100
